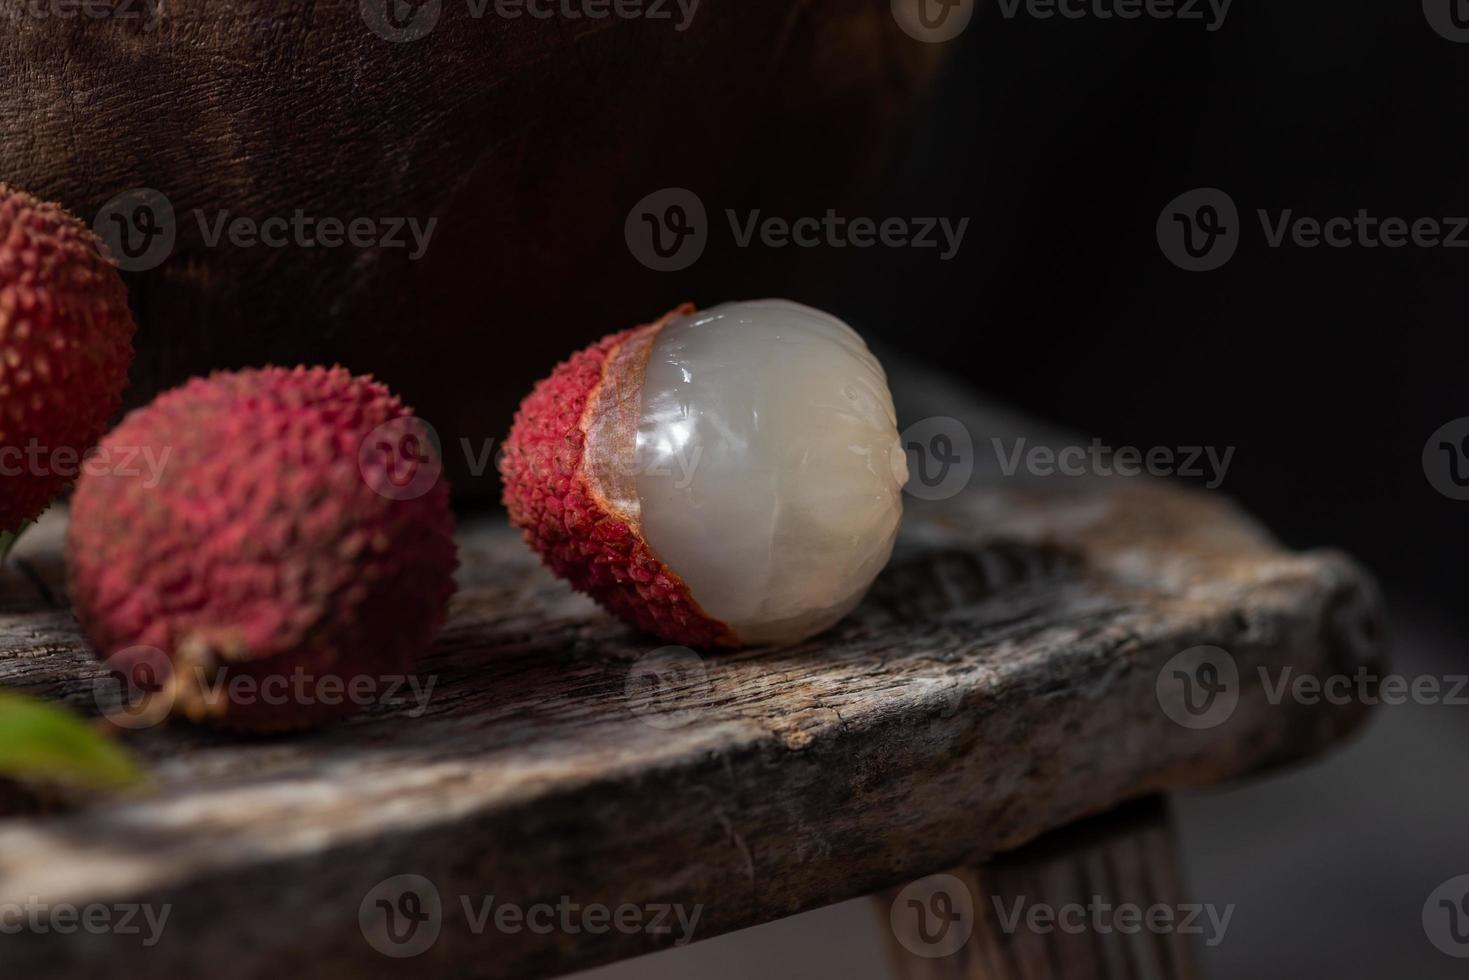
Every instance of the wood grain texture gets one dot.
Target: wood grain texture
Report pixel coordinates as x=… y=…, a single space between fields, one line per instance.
x=1080 y=875
x=999 y=682
x=528 y=140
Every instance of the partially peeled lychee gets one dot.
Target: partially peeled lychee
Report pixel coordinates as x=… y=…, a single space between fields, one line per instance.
x=279 y=562
x=66 y=339
x=716 y=479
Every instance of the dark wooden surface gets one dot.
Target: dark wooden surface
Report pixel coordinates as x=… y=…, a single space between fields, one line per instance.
x=999 y=682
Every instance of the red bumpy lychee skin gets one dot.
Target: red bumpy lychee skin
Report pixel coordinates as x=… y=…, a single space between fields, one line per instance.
x=566 y=513
x=273 y=545
x=66 y=340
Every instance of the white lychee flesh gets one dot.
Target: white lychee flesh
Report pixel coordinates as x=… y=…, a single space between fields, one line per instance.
x=770 y=473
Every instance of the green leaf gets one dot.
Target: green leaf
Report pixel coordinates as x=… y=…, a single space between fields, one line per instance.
x=43 y=742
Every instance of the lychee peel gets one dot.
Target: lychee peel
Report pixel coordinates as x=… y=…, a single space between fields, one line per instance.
x=573 y=516
x=264 y=552
x=65 y=348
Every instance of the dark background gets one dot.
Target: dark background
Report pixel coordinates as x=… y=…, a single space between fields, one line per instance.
x=1328 y=369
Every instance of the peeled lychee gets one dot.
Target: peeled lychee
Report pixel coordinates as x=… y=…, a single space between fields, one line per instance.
x=718 y=478
x=66 y=342
x=279 y=550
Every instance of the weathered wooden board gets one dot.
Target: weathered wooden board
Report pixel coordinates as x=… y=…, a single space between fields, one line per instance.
x=999 y=682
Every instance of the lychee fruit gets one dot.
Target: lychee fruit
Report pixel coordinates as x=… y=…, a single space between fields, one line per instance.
x=278 y=550
x=66 y=342
x=719 y=478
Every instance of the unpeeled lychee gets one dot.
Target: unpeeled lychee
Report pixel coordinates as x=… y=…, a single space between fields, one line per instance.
x=281 y=537
x=65 y=347
x=718 y=478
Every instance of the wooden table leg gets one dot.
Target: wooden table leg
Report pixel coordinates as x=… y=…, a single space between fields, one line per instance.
x=1053 y=910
